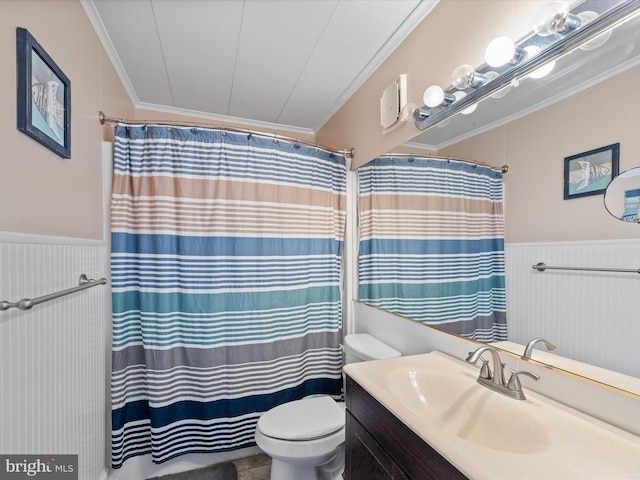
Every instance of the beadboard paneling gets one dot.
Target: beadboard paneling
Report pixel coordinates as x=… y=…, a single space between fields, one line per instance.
x=590 y=316
x=53 y=368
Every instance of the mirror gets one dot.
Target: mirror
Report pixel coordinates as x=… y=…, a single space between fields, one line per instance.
x=622 y=198
x=613 y=70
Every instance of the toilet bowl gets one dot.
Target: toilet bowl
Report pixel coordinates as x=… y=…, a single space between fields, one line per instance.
x=305 y=438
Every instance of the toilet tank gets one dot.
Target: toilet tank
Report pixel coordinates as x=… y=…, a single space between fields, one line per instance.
x=360 y=347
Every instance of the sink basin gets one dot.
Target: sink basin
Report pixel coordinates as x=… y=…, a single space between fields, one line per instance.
x=490 y=436
x=456 y=404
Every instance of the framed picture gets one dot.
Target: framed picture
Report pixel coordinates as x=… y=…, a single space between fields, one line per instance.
x=589 y=173
x=44 y=96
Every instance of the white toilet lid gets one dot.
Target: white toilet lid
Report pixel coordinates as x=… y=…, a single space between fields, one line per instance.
x=304 y=419
x=368 y=347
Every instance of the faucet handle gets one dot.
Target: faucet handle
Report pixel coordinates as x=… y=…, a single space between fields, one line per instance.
x=485 y=371
x=515 y=385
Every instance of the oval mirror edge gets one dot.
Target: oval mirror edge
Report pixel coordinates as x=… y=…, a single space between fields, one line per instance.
x=616 y=199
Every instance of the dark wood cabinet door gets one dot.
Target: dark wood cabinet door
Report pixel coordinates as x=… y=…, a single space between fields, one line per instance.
x=377 y=440
x=365 y=458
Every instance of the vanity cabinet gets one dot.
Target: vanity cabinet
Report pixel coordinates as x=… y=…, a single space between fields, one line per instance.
x=381 y=447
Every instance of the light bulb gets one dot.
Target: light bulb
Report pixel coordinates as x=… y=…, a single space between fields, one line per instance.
x=555 y=18
x=466 y=77
x=500 y=52
x=407 y=111
x=434 y=96
x=460 y=95
x=544 y=70
x=601 y=39
x=503 y=91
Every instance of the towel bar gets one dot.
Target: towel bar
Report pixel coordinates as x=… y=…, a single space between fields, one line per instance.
x=541 y=267
x=27 y=303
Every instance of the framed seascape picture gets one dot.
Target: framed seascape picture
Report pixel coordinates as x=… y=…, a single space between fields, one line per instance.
x=44 y=96
x=590 y=173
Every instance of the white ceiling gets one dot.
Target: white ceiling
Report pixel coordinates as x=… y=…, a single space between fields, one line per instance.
x=288 y=64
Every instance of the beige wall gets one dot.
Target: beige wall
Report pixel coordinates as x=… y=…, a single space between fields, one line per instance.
x=535 y=146
x=42 y=193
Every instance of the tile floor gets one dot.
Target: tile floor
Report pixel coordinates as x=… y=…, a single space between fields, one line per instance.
x=256 y=467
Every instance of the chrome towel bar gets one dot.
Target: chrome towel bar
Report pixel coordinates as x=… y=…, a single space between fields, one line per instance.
x=541 y=267
x=27 y=303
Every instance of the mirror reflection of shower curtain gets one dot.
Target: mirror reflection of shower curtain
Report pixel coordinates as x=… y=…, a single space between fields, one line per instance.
x=226 y=265
x=432 y=243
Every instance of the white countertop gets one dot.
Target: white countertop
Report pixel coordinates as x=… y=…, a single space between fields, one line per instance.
x=490 y=436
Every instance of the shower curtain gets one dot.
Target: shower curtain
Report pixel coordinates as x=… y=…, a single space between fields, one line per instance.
x=226 y=267
x=432 y=243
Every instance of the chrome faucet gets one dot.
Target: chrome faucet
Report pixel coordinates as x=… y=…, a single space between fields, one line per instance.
x=495 y=381
x=497 y=377
x=529 y=350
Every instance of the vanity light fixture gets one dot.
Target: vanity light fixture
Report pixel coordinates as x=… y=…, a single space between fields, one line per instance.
x=434 y=96
x=466 y=77
x=600 y=40
x=555 y=18
x=459 y=94
x=508 y=63
x=543 y=71
x=491 y=75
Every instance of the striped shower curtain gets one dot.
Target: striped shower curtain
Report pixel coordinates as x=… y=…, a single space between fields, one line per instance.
x=432 y=243
x=226 y=266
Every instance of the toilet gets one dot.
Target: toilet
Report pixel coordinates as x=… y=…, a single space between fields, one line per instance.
x=305 y=438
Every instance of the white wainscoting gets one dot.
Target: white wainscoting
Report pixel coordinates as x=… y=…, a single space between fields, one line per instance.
x=54 y=357
x=592 y=317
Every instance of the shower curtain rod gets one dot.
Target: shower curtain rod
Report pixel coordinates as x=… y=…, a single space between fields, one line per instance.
x=503 y=168
x=104 y=118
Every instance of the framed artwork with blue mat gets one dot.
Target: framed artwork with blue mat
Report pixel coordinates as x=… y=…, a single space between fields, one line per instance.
x=589 y=173
x=44 y=96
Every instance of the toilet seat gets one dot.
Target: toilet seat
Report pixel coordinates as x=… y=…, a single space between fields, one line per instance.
x=305 y=419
